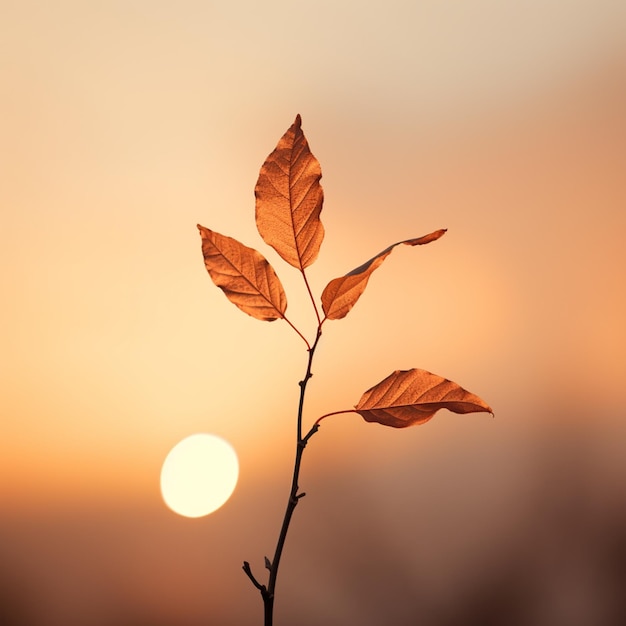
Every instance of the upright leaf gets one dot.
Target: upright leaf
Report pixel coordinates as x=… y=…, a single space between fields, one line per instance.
x=244 y=275
x=341 y=294
x=410 y=397
x=289 y=199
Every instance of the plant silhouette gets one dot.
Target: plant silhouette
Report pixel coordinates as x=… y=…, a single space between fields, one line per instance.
x=289 y=199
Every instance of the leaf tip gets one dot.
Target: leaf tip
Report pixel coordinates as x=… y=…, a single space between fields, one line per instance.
x=298 y=121
x=435 y=235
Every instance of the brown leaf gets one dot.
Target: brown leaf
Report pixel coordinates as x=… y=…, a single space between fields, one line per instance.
x=410 y=397
x=289 y=200
x=341 y=294
x=244 y=275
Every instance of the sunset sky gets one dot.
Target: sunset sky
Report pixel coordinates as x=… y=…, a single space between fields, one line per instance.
x=125 y=124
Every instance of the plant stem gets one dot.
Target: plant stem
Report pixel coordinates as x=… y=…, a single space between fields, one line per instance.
x=268 y=593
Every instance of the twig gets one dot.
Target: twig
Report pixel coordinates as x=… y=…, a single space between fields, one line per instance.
x=268 y=592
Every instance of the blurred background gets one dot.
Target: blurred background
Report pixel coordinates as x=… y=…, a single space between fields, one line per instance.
x=124 y=124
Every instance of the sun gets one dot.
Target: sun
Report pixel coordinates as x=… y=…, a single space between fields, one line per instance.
x=199 y=475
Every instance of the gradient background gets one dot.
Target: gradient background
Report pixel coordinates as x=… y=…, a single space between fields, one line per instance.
x=125 y=123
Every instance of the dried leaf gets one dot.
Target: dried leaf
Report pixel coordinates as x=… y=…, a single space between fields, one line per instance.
x=244 y=275
x=289 y=200
x=341 y=294
x=410 y=397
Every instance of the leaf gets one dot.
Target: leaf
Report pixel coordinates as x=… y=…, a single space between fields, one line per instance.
x=244 y=275
x=289 y=199
x=411 y=397
x=341 y=294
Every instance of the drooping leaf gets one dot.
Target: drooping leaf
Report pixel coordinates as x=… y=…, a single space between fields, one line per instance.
x=244 y=275
x=341 y=294
x=410 y=397
x=289 y=199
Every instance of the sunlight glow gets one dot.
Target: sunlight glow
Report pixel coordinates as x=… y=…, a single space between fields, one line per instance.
x=199 y=475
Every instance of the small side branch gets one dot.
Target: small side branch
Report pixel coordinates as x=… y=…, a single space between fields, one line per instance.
x=246 y=568
x=306 y=438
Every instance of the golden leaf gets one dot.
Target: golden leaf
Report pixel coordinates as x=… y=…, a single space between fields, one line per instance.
x=410 y=397
x=244 y=275
x=289 y=199
x=341 y=294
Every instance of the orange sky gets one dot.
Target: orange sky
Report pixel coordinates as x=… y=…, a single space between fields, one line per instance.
x=125 y=124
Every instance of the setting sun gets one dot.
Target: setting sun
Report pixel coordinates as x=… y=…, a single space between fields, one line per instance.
x=199 y=475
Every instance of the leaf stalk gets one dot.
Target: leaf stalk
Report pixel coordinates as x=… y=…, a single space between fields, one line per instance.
x=308 y=288
x=308 y=345
x=319 y=419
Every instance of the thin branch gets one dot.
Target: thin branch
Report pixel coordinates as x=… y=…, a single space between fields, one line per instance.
x=246 y=568
x=294 y=497
x=313 y=430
